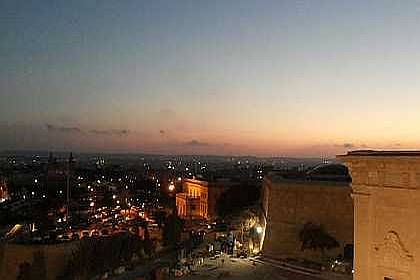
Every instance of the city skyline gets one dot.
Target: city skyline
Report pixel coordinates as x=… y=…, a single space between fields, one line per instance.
x=221 y=77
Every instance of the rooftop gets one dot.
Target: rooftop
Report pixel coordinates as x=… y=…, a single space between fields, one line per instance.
x=334 y=174
x=303 y=181
x=373 y=153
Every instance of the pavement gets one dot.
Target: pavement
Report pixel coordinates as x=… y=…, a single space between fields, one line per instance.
x=225 y=267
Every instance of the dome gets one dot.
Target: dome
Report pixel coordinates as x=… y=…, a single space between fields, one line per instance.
x=329 y=172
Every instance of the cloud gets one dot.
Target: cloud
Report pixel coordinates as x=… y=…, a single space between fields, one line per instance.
x=196 y=143
x=65 y=129
x=167 y=113
x=348 y=145
x=75 y=129
x=119 y=132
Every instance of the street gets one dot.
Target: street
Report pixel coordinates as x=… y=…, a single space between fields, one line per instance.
x=243 y=269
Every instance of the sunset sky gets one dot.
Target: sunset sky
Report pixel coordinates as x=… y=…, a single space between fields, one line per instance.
x=267 y=78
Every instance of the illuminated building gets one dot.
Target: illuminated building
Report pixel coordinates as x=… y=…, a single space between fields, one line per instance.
x=192 y=202
x=4 y=194
x=386 y=196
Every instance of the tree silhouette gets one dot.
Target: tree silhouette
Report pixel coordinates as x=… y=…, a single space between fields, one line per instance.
x=236 y=199
x=314 y=237
x=172 y=230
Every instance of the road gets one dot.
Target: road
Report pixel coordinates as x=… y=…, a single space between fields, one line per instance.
x=243 y=269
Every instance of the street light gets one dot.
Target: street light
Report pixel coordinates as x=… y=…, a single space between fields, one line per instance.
x=171 y=187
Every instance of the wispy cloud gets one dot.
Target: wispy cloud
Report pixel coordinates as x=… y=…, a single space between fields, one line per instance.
x=65 y=129
x=348 y=145
x=75 y=129
x=118 y=132
x=167 y=113
x=196 y=143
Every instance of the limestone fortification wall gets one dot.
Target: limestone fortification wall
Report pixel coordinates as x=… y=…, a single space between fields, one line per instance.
x=291 y=204
x=14 y=254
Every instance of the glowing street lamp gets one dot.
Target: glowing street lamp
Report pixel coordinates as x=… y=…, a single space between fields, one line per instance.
x=171 y=187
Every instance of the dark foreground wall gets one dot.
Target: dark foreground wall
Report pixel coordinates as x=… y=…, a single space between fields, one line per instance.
x=56 y=257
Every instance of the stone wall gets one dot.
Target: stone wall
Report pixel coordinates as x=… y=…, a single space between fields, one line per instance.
x=292 y=203
x=387 y=208
x=14 y=254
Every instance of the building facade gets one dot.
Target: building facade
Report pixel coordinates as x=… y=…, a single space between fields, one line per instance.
x=4 y=193
x=386 y=194
x=192 y=202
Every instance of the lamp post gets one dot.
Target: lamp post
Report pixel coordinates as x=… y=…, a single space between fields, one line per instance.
x=172 y=195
